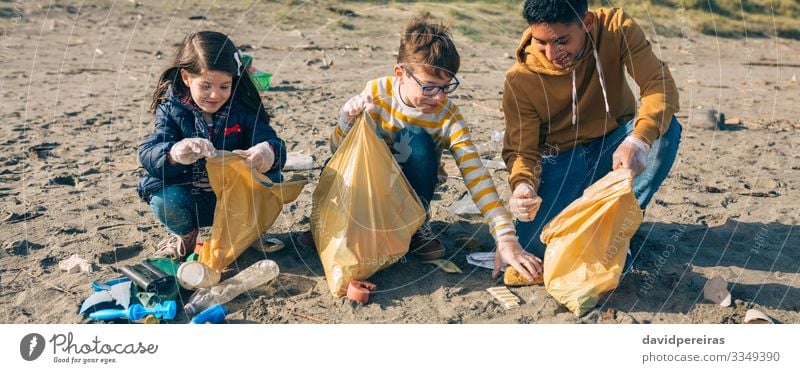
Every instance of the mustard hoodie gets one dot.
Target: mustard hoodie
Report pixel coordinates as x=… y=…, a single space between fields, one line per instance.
x=549 y=110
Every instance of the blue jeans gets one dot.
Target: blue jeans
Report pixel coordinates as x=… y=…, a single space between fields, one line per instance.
x=416 y=153
x=182 y=211
x=566 y=175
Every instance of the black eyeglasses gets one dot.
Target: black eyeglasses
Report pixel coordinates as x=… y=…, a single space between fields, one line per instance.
x=430 y=90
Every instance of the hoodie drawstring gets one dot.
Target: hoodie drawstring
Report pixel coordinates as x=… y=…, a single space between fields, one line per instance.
x=602 y=80
x=602 y=86
x=574 y=100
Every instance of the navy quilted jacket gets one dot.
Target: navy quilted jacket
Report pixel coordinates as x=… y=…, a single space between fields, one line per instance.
x=235 y=127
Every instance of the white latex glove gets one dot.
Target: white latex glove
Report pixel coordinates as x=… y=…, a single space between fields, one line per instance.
x=259 y=157
x=524 y=203
x=510 y=252
x=189 y=150
x=353 y=108
x=632 y=154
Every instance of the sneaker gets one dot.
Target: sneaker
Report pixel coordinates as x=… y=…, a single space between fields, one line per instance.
x=177 y=246
x=425 y=245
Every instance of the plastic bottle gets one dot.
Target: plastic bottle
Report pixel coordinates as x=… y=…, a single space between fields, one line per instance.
x=195 y=275
x=257 y=274
x=213 y=315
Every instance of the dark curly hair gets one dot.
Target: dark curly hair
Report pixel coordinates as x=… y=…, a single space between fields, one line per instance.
x=554 y=11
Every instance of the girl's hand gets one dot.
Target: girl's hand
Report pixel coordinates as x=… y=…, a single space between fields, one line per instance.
x=189 y=150
x=509 y=251
x=259 y=157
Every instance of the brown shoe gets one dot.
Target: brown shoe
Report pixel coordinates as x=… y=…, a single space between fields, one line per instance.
x=177 y=246
x=425 y=245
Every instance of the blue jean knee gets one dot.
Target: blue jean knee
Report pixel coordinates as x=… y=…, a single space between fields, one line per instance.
x=181 y=210
x=416 y=153
x=662 y=156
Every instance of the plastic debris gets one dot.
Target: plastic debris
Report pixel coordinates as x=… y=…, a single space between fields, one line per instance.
x=75 y=264
x=358 y=291
x=121 y=293
x=95 y=300
x=297 y=161
x=493 y=164
x=716 y=291
x=481 y=259
x=464 y=206
x=259 y=273
x=757 y=317
x=136 y=312
x=196 y=275
x=506 y=298
x=213 y=315
x=444 y=265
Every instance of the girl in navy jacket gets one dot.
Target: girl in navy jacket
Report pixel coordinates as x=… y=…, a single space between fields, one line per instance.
x=204 y=102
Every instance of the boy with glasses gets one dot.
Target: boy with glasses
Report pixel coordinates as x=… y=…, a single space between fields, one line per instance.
x=412 y=114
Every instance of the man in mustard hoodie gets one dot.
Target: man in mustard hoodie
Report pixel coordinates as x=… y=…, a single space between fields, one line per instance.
x=571 y=117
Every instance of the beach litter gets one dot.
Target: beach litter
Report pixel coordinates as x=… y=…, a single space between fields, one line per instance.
x=754 y=316
x=75 y=264
x=716 y=291
x=506 y=298
x=358 y=291
x=444 y=265
x=481 y=259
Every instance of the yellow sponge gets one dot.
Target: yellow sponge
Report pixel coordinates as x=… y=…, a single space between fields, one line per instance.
x=513 y=278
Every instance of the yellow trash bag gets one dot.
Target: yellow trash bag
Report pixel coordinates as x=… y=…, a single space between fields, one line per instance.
x=587 y=242
x=364 y=211
x=247 y=205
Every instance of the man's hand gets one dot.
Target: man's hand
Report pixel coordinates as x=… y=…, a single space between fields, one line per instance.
x=259 y=157
x=189 y=150
x=353 y=108
x=632 y=154
x=524 y=203
x=510 y=252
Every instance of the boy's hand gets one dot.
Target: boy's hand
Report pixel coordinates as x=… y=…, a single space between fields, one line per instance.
x=353 y=108
x=510 y=252
x=259 y=157
x=524 y=203
x=632 y=154
x=189 y=150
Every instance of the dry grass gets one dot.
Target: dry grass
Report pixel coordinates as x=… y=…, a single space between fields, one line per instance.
x=724 y=18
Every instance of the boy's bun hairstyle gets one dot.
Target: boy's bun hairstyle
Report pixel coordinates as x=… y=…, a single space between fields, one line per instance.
x=207 y=51
x=554 y=11
x=430 y=45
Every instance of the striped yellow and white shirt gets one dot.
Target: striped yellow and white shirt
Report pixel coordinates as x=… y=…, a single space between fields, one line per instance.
x=449 y=131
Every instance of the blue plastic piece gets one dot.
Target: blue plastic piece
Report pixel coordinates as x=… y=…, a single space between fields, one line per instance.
x=100 y=286
x=213 y=315
x=135 y=312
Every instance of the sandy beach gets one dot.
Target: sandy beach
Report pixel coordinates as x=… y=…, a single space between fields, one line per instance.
x=76 y=88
